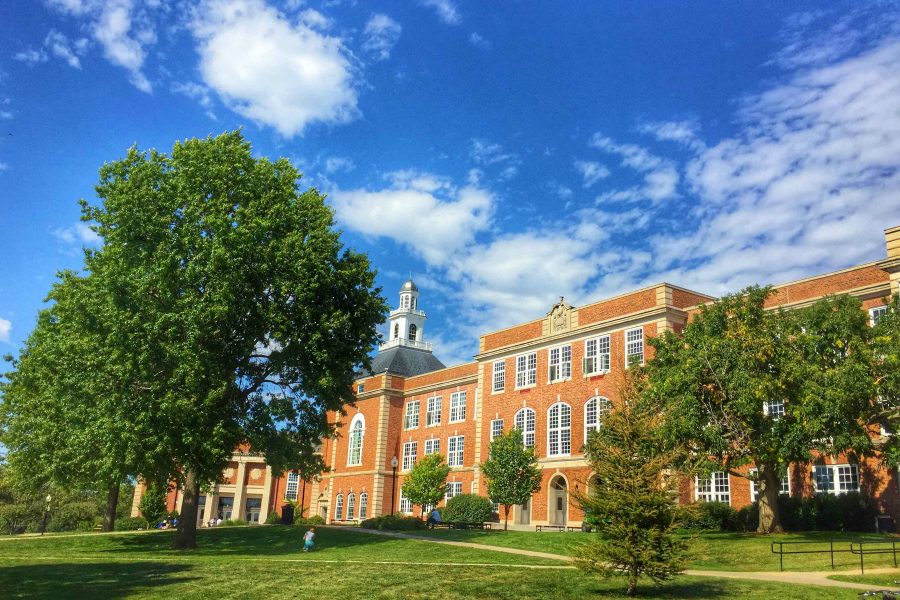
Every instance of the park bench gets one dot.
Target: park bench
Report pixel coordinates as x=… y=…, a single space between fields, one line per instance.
x=556 y=528
x=464 y=525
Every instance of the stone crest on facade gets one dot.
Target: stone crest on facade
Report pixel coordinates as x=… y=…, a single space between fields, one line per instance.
x=560 y=316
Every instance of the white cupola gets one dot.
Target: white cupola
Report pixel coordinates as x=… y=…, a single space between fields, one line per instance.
x=407 y=322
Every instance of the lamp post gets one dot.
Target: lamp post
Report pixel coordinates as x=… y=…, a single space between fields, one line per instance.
x=394 y=464
x=46 y=515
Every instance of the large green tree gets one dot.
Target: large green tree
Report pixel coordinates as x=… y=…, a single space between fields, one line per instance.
x=749 y=385
x=426 y=483
x=631 y=502
x=886 y=351
x=511 y=471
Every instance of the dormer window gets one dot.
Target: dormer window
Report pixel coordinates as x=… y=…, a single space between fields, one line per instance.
x=412 y=332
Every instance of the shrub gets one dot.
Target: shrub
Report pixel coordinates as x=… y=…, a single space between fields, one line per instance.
x=710 y=516
x=273 y=519
x=74 y=516
x=233 y=523
x=468 y=508
x=16 y=518
x=131 y=523
x=394 y=523
x=313 y=520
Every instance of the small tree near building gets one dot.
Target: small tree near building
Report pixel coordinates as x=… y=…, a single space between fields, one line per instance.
x=426 y=484
x=511 y=471
x=886 y=350
x=153 y=503
x=631 y=503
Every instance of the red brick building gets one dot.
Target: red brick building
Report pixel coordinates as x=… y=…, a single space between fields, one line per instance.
x=553 y=378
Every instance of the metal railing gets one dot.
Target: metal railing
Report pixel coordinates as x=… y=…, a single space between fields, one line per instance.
x=781 y=552
x=880 y=548
x=405 y=342
x=861 y=548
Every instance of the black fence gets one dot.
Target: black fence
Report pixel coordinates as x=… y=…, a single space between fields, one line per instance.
x=861 y=548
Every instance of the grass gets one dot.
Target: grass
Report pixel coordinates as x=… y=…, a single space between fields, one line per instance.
x=266 y=562
x=876 y=579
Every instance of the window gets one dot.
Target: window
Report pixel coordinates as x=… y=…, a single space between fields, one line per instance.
x=455 y=450
x=596 y=355
x=433 y=411
x=836 y=479
x=290 y=488
x=351 y=507
x=784 y=486
x=559 y=430
x=594 y=410
x=396 y=330
x=360 y=388
x=499 y=376
x=560 y=363
x=526 y=370
x=409 y=455
x=412 y=332
x=496 y=428
x=774 y=408
x=411 y=418
x=357 y=430
x=457 y=407
x=406 y=506
x=363 y=505
x=454 y=488
x=339 y=508
x=634 y=346
x=432 y=446
x=714 y=489
x=525 y=423
x=876 y=313
x=404 y=301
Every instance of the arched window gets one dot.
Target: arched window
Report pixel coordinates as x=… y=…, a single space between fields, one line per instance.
x=357 y=431
x=339 y=508
x=363 y=505
x=396 y=330
x=412 y=332
x=524 y=422
x=559 y=430
x=594 y=410
x=351 y=507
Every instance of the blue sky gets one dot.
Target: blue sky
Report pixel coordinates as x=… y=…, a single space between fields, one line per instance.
x=504 y=153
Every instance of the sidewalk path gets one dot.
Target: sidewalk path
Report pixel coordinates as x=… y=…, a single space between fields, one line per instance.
x=796 y=577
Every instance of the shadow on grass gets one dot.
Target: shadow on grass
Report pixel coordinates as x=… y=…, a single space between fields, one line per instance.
x=87 y=580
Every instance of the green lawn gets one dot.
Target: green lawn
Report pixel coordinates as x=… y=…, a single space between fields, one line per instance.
x=878 y=579
x=265 y=562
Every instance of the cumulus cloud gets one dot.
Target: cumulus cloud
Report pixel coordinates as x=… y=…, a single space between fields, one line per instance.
x=62 y=48
x=591 y=172
x=31 y=56
x=5 y=328
x=445 y=9
x=79 y=234
x=337 y=164
x=276 y=73
x=381 y=33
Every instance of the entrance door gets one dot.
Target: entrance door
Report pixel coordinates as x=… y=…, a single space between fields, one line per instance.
x=254 y=505
x=226 y=504
x=559 y=501
x=524 y=513
x=201 y=511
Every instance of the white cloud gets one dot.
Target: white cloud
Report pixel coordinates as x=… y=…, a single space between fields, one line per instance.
x=591 y=172
x=197 y=92
x=314 y=19
x=478 y=41
x=381 y=33
x=445 y=9
x=122 y=44
x=31 y=56
x=3 y=167
x=79 y=234
x=660 y=175
x=5 y=328
x=488 y=154
x=685 y=133
x=266 y=69
x=335 y=164
x=62 y=48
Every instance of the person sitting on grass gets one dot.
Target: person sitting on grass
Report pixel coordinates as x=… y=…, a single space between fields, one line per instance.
x=308 y=543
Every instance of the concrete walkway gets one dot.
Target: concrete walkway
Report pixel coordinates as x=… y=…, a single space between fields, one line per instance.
x=796 y=577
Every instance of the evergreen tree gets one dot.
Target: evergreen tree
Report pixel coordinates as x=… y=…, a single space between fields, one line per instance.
x=426 y=484
x=631 y=503
x=511 y=471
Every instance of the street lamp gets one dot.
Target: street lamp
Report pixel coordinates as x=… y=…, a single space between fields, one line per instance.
x=46 y=515
x=394 y=464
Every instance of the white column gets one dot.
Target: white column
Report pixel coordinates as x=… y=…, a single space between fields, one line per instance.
x=266 y=496
x=237 y=512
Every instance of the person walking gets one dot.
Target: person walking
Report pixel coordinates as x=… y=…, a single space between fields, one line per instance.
x=308 y=538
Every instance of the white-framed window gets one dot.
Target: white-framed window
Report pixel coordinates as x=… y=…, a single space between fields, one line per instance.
x=836 y=479
x=634 y=346
x=560 y=363
x=596 y=355
x=594 y=410
x=499 y=376
x=409 y=455
x=525 y=423
x=774 y=408
x=339 y=508
x=432 y=446
x=784 y=487
x=454 y=488
x=411 y=418
x=351 y=506
x=455 y=446
x=433 y=411
x=360 y=388
x=355 y=446
x=496 y=428
x=526 y=369
x=875 y=314
x=559 y=430
x=457 y=407
x=363 y=505
x=406 y=506
x=292 y=485
x=715 y=489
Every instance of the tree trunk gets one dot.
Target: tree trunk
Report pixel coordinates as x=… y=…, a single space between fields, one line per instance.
x=505 y=517
x=112 y=503
x=768 y=483
x=186 y=536
x=632 y=582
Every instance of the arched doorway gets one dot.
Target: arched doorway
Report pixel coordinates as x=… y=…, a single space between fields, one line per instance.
x=558 y=497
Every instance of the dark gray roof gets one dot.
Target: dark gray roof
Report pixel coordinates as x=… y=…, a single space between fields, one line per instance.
x=405 y=361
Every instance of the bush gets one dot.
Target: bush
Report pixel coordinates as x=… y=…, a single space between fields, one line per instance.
x=131 y=523
x=80 y=516
x=273 y=519
x=16 y=518
x=233 y=523
x=468 y=508
x=710 y=516
x=393 y=523
x=313 y=520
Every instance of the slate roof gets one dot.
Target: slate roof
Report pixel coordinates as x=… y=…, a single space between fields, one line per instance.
x=405 y=361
